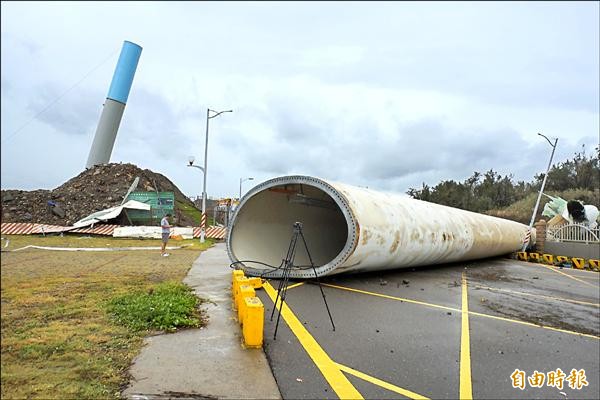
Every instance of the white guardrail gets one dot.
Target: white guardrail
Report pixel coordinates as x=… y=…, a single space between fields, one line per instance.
x=573 y=233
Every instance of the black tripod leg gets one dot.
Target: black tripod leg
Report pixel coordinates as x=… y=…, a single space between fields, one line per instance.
x=285 y=281
x=280 y=287
x=282 y=299
x=324 y=300
x=318 y=281
x=285 y=263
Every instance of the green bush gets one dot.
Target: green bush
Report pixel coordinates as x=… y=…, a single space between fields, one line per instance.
x=167 y=306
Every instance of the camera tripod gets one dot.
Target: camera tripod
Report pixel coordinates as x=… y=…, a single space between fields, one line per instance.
x=288 y=265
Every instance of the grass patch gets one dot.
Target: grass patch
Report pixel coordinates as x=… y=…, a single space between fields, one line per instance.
x=58 y=338
x=70 y=240
x=193 y=213
x=168 y=306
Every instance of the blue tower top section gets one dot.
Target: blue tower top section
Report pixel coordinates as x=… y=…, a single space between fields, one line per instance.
x=123 y=77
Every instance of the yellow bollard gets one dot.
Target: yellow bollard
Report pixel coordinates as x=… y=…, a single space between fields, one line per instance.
x=578 y=263
x=522 y=255
x=534 y=257
x=245 y=291
x=253 y=322
x=548 y=259
x=256 y=283
x=236 y=273
x=594 y=264
x=235 y=289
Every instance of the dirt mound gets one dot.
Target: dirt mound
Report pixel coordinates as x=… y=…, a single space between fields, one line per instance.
x=95 y=189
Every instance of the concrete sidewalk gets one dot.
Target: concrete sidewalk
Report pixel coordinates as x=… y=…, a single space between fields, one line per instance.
x=208 y=362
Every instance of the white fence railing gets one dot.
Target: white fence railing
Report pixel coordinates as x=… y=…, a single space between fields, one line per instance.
x=573 y=233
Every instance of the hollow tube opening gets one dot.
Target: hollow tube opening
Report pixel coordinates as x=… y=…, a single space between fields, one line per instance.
x=262 y=228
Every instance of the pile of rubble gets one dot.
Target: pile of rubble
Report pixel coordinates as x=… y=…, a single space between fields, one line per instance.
x=93 y=190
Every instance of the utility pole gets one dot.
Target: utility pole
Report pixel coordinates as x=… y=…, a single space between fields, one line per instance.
x=537 y=203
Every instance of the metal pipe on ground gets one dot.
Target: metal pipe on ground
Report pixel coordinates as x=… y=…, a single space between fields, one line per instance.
x=355 y=229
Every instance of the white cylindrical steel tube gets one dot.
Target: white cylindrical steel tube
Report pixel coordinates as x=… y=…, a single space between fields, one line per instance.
x=354 y=229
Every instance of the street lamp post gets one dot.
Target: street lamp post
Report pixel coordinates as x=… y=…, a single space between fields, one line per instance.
x=204 y=169
x=243 y=180
x=191 y=164
x=537 y=203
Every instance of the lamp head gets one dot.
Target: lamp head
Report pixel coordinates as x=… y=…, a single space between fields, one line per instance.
x=191 y=160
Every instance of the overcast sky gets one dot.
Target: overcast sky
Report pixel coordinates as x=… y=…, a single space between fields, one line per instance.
x=386 y=95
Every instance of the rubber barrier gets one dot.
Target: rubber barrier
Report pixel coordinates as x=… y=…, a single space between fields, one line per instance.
x=548 y=258
x=522 y=255
x=562 y=259
x=534 y=257
x=578 y=263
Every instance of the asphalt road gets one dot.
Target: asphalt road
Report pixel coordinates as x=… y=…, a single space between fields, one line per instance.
x=399 y=334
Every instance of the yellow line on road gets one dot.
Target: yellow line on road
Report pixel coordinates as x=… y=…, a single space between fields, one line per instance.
x=338 y=381
x=294 y=285
x=539 y=295
x=385 y=296
x=589 y=278
x=543 y=269
x=569 y=276
x=585 y=271
x=465 y=389
x=383 y=384
x=516 y=321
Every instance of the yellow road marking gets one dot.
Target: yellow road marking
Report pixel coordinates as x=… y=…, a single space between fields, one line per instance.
x=337 y=380
x=385 y=296
x=553 y=269
x=576 y=270
x=294 y=285
x=590 y=278
x=465 y=389
x=569 y=276
x=383 y=384
x=516 y=321
x=539 y=295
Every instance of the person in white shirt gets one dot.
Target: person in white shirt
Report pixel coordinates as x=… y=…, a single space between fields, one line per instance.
x=166 y=232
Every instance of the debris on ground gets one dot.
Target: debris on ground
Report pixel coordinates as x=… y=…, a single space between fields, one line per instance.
x=95 y=189
x=562 y=212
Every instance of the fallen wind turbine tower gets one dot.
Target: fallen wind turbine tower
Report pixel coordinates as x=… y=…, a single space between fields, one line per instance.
x=114 y=106
x=354 y=229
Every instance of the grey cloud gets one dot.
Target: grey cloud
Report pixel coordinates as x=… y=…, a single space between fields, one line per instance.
x=151 y=124
x=304 y=140
x=6 y=85
x=73 y=112
x=12 y=41
x=416 y=153
x=473 y=51
x=320 y=117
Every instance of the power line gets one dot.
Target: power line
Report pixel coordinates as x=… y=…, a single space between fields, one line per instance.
x=56 y=100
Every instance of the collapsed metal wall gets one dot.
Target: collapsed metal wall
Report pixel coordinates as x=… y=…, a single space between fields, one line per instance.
x=353 y=229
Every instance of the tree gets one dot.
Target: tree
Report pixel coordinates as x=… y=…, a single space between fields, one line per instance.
x=484 y=192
